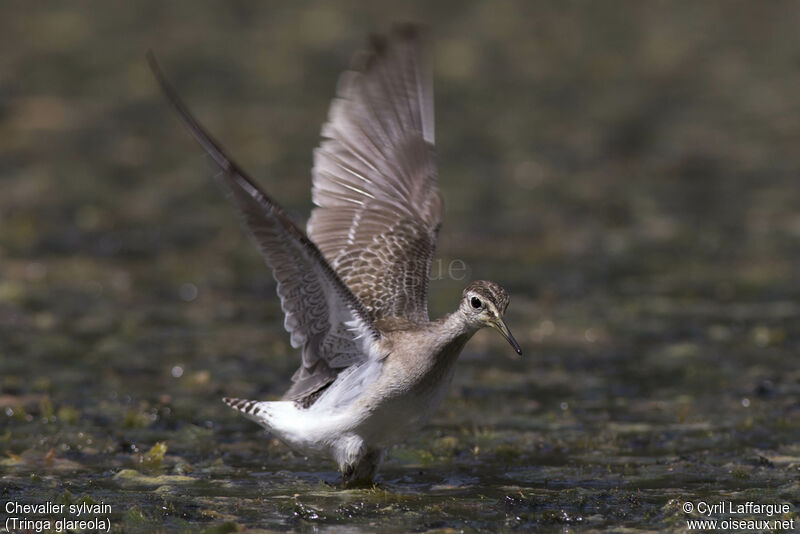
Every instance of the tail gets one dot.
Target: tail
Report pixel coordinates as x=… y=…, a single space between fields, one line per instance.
x=286 y=422
x=309 y=432
x=251 y=409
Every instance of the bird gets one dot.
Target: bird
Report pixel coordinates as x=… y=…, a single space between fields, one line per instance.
x=354 y=285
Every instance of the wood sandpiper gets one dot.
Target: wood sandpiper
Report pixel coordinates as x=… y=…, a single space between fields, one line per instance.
x=354 y=286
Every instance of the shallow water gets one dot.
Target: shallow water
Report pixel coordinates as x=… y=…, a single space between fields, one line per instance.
x=630 y=177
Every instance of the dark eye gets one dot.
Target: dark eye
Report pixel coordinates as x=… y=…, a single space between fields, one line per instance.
x=476 y=302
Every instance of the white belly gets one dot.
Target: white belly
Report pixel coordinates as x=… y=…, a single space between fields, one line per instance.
x=369 y=407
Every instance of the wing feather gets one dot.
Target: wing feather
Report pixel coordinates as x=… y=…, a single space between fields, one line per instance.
x=374 y=179
x=323 y=316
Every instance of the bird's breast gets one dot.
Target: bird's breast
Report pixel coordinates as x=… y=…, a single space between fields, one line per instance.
x=413 y=383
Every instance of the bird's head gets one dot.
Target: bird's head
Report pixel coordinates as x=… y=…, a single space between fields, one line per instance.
x=483 y=304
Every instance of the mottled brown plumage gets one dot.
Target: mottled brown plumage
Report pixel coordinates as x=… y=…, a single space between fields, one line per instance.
x=374 y=178
x=354 y=290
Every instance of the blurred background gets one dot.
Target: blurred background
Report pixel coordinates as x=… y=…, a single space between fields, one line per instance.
x=628 y=170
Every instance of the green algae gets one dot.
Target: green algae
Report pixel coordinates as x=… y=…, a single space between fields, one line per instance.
x=131 y=477
x=153 y=457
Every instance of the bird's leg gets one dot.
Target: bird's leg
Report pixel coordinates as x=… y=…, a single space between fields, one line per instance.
x=363 y=470
x=347 y=474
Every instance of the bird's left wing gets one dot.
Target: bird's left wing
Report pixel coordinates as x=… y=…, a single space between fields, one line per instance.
x=323 y=316
x=374 y=178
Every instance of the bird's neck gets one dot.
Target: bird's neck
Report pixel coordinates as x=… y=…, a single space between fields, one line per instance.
x=455 y=331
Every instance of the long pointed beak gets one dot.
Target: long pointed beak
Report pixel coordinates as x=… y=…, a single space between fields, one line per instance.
x=502 y=327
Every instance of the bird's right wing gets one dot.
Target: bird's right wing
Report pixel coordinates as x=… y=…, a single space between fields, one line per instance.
x=323 y=316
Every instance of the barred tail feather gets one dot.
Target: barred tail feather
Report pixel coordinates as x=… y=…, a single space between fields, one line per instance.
x=250 y=408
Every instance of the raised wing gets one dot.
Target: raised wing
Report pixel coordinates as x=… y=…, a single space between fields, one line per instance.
x=374 y=180
x=322 y=314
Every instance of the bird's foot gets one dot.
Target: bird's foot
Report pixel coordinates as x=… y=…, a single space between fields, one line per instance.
x=361 y=474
